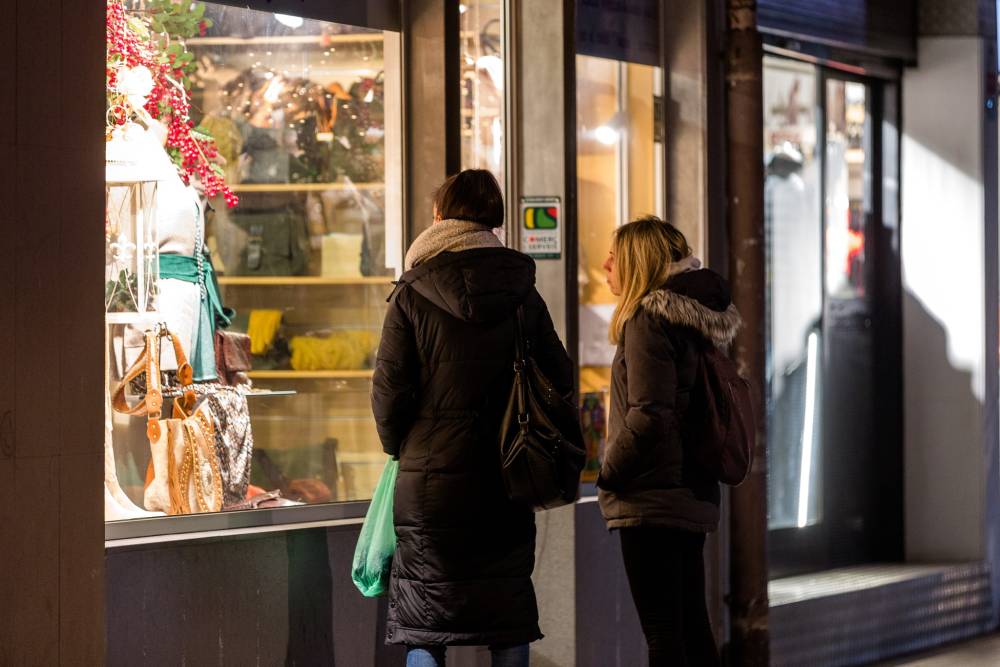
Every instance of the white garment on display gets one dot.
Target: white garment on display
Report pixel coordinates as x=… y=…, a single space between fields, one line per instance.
x=180 y=221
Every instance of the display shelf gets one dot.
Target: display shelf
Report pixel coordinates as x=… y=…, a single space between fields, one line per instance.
x=266 y=393
x=311 y=375
x=301 y=281
x=310 y=40
x=304 y=187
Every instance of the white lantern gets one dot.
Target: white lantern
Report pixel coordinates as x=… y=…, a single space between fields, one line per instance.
x=134 y=163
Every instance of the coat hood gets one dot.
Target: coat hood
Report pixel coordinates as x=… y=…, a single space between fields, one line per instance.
x=700 y=300
x=483 y=285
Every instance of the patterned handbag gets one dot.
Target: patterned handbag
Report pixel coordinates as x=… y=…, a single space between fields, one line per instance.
x=230 y=416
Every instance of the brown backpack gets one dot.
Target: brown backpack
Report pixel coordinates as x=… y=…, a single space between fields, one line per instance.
x=721 y=422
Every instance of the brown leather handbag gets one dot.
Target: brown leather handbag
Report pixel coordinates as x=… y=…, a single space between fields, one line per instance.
x=183 y=475
x=232 y=357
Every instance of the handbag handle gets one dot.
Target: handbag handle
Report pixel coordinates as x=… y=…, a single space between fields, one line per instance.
x=148 y=362
x=520 y=365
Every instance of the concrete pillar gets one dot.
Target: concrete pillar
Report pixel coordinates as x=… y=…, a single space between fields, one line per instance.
x=539 y=131
x=430 y=94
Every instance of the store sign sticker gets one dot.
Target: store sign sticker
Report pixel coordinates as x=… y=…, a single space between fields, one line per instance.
x=541 y=237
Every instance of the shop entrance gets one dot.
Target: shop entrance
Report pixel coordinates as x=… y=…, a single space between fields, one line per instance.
x=833 y=311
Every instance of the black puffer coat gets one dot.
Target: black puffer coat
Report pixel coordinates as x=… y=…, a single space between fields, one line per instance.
x=464 y=555
x=647 y=478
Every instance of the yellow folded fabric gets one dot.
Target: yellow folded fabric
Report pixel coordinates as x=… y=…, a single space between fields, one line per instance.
x=340 y=351
x=263 y=329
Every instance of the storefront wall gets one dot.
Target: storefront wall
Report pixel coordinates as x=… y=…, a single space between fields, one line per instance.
x=51 y=520
x=281 y=596
x=949 y=183
x=285 y=594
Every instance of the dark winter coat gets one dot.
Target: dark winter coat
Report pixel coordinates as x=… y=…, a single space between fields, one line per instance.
x=647 y=478
x=465 y=554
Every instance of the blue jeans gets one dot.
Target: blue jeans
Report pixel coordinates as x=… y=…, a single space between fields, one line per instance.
x=433 y=656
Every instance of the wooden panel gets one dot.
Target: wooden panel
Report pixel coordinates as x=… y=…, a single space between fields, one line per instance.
x=50 y=211
x=81 y=376
x=8 y=536
x=39 y=326
x=8 y=84
x=81 y=559
x=79 y=104
x=36 y=561
x=39 y=78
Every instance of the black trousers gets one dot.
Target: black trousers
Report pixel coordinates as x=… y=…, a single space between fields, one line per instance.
x=666 y=574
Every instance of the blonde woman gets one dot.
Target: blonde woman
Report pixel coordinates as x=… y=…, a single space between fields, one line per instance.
x=669 y=310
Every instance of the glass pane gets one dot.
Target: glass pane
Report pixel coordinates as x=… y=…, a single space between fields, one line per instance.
x=619 y=158
x=795 y=293
x=846 y=145
x=482 y=67
x=302 y=119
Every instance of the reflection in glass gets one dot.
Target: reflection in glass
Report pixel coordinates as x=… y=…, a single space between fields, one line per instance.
x=846 y=131
x=482 y=68
x=795 y=298
x=619 y=153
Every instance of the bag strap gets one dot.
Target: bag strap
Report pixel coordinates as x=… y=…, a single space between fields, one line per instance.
x=148 y=362
x=520 y=365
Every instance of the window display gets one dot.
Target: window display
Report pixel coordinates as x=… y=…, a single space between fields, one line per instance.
x=619 y=166
x=253 y=230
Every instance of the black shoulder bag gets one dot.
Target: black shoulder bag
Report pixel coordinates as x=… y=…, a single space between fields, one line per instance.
x=541 y=444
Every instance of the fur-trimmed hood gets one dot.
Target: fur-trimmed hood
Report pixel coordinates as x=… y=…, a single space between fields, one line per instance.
x=700 y=300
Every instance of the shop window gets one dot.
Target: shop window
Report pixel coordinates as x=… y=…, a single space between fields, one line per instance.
x=619 y=178
x=482 y=65
x=260 y=154
x=846 y=131
x=795 y=293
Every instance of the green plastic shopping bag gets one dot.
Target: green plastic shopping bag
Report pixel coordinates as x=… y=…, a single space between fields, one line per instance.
x=377 y=543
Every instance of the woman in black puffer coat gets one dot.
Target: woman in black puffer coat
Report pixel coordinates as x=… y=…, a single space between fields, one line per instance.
x=462 y=569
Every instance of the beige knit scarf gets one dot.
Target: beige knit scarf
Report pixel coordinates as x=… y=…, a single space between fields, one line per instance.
x=450 y=236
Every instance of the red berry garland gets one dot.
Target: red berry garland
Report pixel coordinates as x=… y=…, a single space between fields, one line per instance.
x=167 y=102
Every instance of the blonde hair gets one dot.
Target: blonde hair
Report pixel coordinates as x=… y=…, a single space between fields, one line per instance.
x=644 y=251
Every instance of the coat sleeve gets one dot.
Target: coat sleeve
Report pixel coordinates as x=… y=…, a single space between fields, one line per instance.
x=649 y=417
x=394 y=385
x=550 y=354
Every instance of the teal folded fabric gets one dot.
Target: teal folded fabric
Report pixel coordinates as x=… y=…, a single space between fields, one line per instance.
x=212 y=315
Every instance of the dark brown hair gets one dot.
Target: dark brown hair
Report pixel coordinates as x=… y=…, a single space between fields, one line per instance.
x=472 y=195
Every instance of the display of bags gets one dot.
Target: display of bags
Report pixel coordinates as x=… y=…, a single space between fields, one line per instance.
x=372 y=563
x=541 y=445
x=201 y=456
x=233 y=438
x=339 y=350
x=232 y=357
x=185 y=471
x=269 y=159
x=277 y=242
